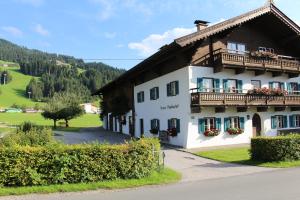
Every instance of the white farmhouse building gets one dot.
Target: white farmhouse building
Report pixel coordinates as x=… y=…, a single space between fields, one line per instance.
x=221 y=85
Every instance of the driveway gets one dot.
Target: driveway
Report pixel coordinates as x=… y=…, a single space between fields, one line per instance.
x=89 y=135
x=194 y=168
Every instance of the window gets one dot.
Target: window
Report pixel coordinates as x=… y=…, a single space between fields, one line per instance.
x=154 y=93
x=264 y=49
x=293 y=88
x=255 y=84
x=173 y=88
x=295 y=121
x=236 y=48
x=276 y=85
x=174 y=123
x=208 y=85
x=232 y=86
x=140 y=97
x=155 y=124
x=234 y=122
x=209 y=123
x=278 y=122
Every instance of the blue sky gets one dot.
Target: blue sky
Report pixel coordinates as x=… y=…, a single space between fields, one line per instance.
x=115 y=28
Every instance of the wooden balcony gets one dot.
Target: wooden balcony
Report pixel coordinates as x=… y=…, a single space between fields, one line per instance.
x=242 y=100
x=222 y=58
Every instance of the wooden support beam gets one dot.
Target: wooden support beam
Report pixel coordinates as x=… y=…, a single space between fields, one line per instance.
x=276 y=74
x=220 y=109
x=295 y=109
x=195 y=109
x=279 y=109
x=240 y=71
x=259 y=72
x=262 y=109
x=293 y=75
x=241 y=109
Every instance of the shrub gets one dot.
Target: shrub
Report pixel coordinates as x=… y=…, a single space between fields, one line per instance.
x=30 y=137
x=27 y=166
x=281 y=148
x=27 y=126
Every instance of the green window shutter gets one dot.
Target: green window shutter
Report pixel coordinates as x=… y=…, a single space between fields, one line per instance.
x=201 y=125
x=291 y=118
x=226 y=123
x=143 y=96
x=151 y=122
x=157 y=92
x=273 y=122
x=158 y=125
x=282 y=86
x=168 y=89
x=151 y=94
x=218 y=124
x=178 y=125
x=200 y=84
x=240 y=86
x=289 y=88
x=177 y=87
x=138 y=97
x=225 y=85
x=242 y=122
x=169 y=123
x=217 y=85
x=270 y=85
x=285 y=123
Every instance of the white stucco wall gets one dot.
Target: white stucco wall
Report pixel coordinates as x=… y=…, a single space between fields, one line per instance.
x=160 y=109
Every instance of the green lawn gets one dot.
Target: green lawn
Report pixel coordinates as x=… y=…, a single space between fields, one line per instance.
x=14 y=91
x=88 y=120
x=165 y=176
x=242 y=156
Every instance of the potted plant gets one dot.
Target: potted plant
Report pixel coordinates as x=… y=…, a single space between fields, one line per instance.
x=154 y=131
x=212 y=132
x=235 y=131
x=172 y=132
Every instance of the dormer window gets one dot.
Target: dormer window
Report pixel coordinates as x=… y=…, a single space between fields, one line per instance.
x=236 y=48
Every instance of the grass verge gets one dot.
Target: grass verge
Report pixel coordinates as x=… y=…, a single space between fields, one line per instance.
x=164 y=176
x=242 y=156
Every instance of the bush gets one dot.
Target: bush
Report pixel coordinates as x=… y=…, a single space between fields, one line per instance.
x=27 y=166
x=31 y=136
x=281 y=148
x=27 y=126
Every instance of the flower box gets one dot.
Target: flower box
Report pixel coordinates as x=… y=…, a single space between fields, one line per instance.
x=172 y=132
x=212 y=132
x=235 y=131
x=267 y=92
x=154 y=131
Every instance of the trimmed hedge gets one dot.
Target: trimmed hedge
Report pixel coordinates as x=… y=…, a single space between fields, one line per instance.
x=281 y=148
x=60 y=164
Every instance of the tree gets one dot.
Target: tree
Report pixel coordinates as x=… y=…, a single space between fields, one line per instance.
x=63 y=106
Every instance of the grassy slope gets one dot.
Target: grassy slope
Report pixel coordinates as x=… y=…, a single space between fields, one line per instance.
x=14 y=92
x=242 y=156
x=163 y=177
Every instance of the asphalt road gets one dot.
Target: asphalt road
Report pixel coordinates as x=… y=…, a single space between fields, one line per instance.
x=272 y=185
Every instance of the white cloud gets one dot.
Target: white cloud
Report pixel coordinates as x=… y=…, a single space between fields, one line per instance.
x=41 y=30
x=13 y=31
x=110 y=35
x=107 y=9
x=35 y=3
x=153 y=42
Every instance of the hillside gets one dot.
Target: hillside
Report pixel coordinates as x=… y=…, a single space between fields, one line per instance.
x=14 y=92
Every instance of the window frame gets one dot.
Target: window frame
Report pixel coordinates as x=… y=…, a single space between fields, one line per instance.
x=296 y=121
x=208 y=125
x=141 y=97
x=259 y=81
x=174 y=91
x=157 y=124
x=155 y=91
x=234 y=122
x=236 y=50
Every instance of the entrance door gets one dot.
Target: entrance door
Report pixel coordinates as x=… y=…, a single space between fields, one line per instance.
x=141 y=128
x=111 y=123
x=256 y=125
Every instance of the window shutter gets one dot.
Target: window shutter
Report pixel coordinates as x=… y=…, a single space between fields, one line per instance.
x=270 y=85
x=242 y=122
x=138 y=97
x=218 y=124
x=143 y=97
x=201 y=126
x=226 y=124
x=285 y=124
x=282 y=86
x=178 y=125
x=289 y=88
x=240 y=86
x=168 y=89
x=200 y=84
x=157 y=92
x=217 y=85
x=151 y=94
x=177 y=87
x=169 y=123
x=291 y=118
x=273 y=122
x=158 y=125
x=225 y=85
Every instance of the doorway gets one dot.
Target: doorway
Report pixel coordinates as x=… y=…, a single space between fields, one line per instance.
x=142 y=128
x=256 y=125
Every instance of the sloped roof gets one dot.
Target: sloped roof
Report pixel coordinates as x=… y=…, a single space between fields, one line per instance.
x=220 y=27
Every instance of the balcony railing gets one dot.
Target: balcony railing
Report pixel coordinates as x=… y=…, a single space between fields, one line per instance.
x=234 y=99
x=244 y=59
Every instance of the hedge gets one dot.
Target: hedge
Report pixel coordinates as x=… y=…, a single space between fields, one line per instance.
x=61 y=164
x=281 y=148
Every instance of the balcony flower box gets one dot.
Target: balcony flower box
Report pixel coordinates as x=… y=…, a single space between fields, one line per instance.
x=267 y=92
x=235 y=131
x=172 y=132
x=212 y=132
x=154 y=131
x=260 y=54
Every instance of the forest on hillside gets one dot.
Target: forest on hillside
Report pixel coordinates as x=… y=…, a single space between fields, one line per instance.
x=58 y=73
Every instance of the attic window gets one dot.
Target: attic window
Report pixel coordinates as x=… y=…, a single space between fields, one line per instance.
x=264 y=49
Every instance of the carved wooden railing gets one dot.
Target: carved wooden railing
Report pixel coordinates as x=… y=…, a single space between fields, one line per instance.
x=228 y=99
x=246 y=60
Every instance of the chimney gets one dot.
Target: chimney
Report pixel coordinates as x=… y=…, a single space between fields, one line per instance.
x=201 y=24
